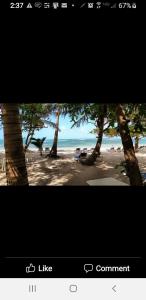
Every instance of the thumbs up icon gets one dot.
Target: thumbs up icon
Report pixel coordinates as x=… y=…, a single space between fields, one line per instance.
x=30 y=268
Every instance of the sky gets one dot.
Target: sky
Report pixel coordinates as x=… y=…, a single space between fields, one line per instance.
x=66 y=132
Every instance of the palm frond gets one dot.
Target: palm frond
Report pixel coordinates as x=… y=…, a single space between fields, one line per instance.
x=83 y=119
x=38 y=142
x=51 y=124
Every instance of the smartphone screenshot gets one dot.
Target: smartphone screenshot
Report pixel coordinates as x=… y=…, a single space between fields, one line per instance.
x=72 y=150
x=65 y=165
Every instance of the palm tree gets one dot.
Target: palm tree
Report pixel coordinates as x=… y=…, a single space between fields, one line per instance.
x=129 y=153
x=100 y=126
x=99 y=122
x=16 y=171
x=34 y=117
x=53 y=152
x=39 y=144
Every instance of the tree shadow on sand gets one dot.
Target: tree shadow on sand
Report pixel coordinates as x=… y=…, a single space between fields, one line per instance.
x=67 y=172
x=52 y=172
x=3 y=180
x=98 y=171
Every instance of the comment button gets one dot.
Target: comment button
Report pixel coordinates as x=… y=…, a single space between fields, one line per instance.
x=88 y=268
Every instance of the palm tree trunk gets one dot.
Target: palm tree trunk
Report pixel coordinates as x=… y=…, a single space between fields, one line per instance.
x=130 y=158
x=28 y=140
x=30 y=133
x=41 y=151
x=53 y=151
x=100 y=124
x=16 y=171
x=136 y=143
x=96 y=152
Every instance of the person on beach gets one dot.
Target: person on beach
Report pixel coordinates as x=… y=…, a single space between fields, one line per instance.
x=77 y=154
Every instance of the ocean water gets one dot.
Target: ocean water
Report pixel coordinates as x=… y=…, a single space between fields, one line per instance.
x=82 y=143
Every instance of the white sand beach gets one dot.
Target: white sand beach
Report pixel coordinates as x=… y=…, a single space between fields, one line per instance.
x=66 y=171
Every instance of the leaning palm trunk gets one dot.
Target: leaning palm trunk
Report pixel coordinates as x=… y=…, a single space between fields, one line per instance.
x=53 y=151
x=16 y=171
x=96 y=152
x=100 y=124
x=133 y=171
x=28 y=140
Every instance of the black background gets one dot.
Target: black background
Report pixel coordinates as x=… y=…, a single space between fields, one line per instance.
x=86 y=55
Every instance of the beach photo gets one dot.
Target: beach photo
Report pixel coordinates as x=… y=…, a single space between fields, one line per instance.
x=72 y=144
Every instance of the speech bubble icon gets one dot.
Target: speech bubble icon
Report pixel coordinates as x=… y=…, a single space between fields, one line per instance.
x=88 y=268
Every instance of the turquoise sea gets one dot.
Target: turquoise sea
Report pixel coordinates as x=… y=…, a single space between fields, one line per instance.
x=83 y=143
